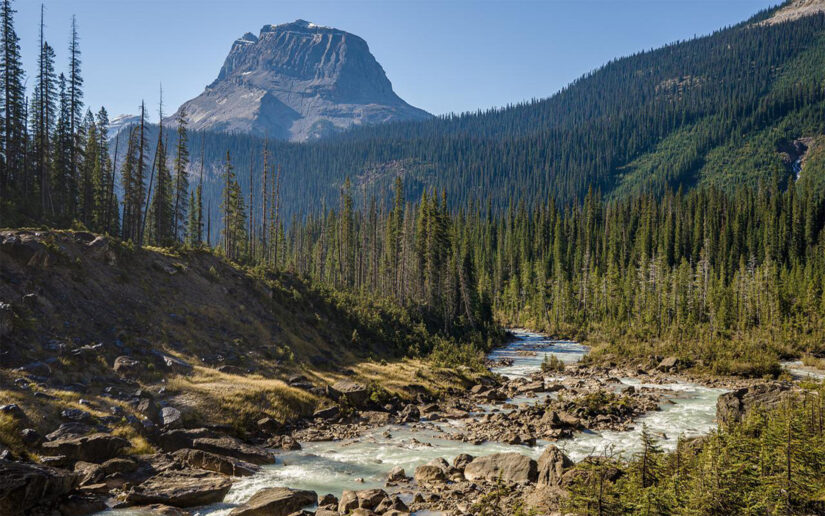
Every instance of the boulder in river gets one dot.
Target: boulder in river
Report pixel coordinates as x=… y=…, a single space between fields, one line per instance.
x=187 y=488
x=510 y=467
x=396 y=474
x=429 y=474
x=276 y=501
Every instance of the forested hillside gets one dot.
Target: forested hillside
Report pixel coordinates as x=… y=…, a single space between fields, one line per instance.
x=729 y=282
x=735 y=107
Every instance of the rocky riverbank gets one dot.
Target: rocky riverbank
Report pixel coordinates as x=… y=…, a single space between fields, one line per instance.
x=87 y=465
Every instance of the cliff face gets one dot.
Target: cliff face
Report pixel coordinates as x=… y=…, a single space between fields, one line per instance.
x=298 y=81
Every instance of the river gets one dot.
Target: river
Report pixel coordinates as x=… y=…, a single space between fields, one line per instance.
x=331 y=467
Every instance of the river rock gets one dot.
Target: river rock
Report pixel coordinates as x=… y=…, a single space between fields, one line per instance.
x=329 y=501
x=429 y=474
x=24 y=486
x=732 y=407
x=81 y=504
x=355 y=393
x=552 y=465
x=232 y=447
x=283 y=442
x=96 y=448
x=396 y=474
x=348 y=502
x=187 y=488
x=276 y=501
x=200 y=459
x=409 y=414
x=510 y=467
x=370 y=498
x=461 y=461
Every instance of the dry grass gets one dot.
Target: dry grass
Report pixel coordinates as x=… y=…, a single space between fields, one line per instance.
x=218 y=398
x=396 y=376
x=140 y=446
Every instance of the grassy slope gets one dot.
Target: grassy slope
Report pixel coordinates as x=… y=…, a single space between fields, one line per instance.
x=196 y=307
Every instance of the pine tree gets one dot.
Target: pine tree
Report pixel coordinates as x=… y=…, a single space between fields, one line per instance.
x=233 y=233
x=43 y=122
x=90 y=175
x=12 y=106
x=181 y=180
x=64 y=186
x=160 y=216
x=133 y=177
x=75 y=97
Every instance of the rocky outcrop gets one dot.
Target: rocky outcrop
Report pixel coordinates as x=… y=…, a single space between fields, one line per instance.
x=97 y=447
x=733 y=406
x=298 y=81
x=510 y=467
x=551 y=466
x=213 y=462
x=25 y=486
x=232 y=447
x=794 y=10
x=188 y=488
x=354 y=393
x=276 y=501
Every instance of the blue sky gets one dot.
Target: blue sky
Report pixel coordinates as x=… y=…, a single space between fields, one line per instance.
x=442 y=56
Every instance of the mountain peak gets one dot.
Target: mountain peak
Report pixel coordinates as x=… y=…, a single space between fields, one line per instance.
x=298 y=81
x=795 y=9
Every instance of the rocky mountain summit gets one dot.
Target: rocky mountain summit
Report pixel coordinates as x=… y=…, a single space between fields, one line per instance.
x=298 y=81
x=794 y=10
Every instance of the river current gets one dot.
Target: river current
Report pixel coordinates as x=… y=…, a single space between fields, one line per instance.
x=363 y=462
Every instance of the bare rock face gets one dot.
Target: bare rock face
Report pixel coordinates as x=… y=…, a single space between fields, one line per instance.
x=794 y=10
x=298 y=81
